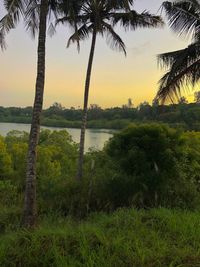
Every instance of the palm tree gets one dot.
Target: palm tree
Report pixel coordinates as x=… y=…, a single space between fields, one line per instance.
x=183 y=66
x=100 y=17
x=35 y=14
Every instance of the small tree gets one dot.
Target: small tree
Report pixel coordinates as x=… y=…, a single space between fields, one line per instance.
x=130 y=103
x=182 y=100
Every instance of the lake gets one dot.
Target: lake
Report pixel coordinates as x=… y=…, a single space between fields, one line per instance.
x=94 y=138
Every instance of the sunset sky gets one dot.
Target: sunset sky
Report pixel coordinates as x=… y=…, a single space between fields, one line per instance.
x=114 y=78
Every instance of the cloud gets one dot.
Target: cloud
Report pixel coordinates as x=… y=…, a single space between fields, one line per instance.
x=140 y=49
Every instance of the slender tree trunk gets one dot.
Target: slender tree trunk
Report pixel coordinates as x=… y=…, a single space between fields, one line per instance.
x=30 y=209
x=85 y=107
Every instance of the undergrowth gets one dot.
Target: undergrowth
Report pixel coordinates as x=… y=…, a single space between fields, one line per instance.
x=125 y=238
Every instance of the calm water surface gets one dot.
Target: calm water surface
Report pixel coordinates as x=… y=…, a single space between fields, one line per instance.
x=95 y=138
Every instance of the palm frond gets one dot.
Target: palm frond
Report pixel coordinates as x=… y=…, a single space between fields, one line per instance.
x=113 y=39
x=12 y=6
x=6 y=24
x=120 y=4
x=183 y=74
x=80 y=34
x=14 y=9
x=183 y=65
x=2 y=40
x=181 y=58
x=133 y=20
x=166 y=60
x=183 y=16
x=32 y=17
x=51 y=29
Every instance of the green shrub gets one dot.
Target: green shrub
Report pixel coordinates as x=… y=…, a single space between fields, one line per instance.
x=10 y=206
x=150 y=168
x=10 y=218
x=5 y=161
x=8 y=193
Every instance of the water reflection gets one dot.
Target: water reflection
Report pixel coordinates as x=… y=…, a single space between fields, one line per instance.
x=94 y=138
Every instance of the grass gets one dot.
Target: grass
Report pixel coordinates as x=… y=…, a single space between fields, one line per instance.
x=126 y=238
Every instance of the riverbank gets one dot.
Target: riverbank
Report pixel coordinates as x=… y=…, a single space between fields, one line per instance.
x=115 y=124
x=185 y=116
x=94 y=138
x=154 y=238
x=62 y=123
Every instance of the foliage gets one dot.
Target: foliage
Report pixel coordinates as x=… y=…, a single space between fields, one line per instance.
x=143 y=166
x=182 y=65
x=151 y=168
x=5 y=161
x=147 y=166
x=8 y=193
x=192 y=165
x=10 y=210
x=99 y=17
x=181 y=115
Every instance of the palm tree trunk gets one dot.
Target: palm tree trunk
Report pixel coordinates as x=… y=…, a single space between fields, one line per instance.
x=85 y=107
x=30 y=209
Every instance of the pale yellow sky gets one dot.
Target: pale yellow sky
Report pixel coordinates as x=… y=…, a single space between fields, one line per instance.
x=114 y=79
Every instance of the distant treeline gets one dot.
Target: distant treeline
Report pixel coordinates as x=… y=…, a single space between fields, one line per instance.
x=186 y=116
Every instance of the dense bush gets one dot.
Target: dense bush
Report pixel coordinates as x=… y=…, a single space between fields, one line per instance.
x=142 y=166
x=151 y=164
x=5 y=161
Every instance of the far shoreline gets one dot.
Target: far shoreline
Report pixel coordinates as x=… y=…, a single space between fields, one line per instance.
x=107 y=130
x=77 y=124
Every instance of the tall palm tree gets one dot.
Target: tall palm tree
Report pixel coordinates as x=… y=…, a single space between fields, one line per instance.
x=183 y=66
x=100 y=17
x=35 y=14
